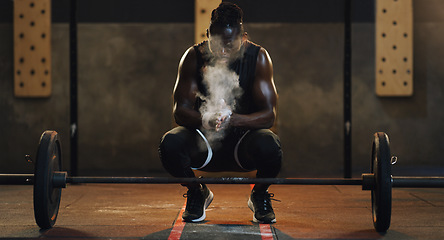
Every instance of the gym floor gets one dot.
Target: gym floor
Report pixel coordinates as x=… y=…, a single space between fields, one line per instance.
x=149 y=211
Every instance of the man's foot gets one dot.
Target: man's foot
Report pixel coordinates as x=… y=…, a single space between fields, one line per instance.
x=198 y=199
x=260 y=204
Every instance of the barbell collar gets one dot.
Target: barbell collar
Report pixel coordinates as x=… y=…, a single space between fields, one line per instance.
x=418 y=182
x=368 y=181
x=16 y=179
x=59 y=179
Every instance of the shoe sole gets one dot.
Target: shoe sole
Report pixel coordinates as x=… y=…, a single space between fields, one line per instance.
x=208 y=201
x=251 y=206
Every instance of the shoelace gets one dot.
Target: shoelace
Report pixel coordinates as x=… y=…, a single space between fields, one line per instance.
x=267 y=198
x=193 y=201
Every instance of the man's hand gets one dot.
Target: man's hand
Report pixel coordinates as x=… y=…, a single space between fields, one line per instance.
x=222 y=122
x=216 y=121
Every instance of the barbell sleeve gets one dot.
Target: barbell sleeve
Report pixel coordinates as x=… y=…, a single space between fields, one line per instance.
x=417 y=182
x=16 y=179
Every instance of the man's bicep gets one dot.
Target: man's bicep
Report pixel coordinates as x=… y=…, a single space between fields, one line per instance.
x=265 y=95
x=264 y=89
x=184 y=92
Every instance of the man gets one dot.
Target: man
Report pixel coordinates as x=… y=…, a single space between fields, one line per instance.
x=235 y=135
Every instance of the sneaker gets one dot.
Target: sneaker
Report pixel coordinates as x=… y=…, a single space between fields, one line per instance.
x=260 y=204
x=197 y=201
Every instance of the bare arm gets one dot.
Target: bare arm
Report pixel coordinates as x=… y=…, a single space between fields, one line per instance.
x=264 y=97
x=184 y=92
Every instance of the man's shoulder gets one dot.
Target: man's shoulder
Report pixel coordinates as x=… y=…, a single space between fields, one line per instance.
x=253 y=48
x=190 y=54
x=188 y=60
x=253 y=44
x=200 y=48
x=258 y=49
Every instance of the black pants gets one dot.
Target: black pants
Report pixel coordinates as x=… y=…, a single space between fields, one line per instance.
x=182 y=149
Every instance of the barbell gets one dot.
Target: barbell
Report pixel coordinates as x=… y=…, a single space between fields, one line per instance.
x=48 y=180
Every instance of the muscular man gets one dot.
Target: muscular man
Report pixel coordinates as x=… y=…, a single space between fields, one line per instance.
x=234 y=135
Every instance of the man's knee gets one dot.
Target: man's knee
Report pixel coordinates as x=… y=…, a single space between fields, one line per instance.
x=172 y=144
x=173 y=152
x=266 y=144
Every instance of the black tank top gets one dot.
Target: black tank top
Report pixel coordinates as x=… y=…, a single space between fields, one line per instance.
x=244 y=67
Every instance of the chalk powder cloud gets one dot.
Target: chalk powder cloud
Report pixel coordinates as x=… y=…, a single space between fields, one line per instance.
x=223 y=90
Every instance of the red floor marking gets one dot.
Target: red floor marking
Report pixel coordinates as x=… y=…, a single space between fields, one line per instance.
x=266 y=233
x=176 y=232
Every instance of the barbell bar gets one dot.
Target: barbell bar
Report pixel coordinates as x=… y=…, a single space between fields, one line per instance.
x=48 y=180
x=60 y=179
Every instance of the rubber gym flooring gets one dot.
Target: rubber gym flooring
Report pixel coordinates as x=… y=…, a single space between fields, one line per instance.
x=143 y=211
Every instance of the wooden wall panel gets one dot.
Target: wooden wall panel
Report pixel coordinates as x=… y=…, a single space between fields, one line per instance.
x=32 y=48
x=202 y=18
x=394 y=48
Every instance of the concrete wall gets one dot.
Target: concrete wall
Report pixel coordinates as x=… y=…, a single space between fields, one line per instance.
x=127 y=72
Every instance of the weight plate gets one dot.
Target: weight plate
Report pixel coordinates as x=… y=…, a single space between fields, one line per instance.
x=382 y=193
x=47 y=198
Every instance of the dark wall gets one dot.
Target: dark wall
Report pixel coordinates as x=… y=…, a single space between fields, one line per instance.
x=174 y=11
x=128 y=58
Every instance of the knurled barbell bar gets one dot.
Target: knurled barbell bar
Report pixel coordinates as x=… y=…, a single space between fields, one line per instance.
x=49 y=179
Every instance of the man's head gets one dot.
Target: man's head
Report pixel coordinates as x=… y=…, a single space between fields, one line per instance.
x=226 y=32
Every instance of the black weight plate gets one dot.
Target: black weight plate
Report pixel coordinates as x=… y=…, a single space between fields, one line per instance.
x=47 y=198
x=382 y=194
